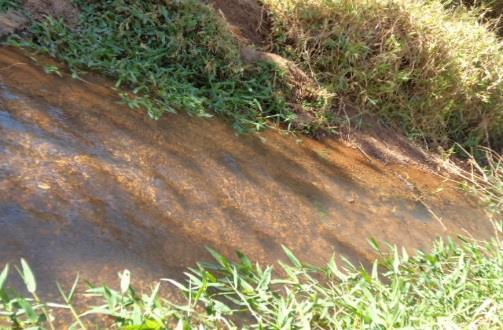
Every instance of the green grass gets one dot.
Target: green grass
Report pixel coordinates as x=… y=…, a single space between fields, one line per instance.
x=457 y=285
x=170 y=55
x=8 y=4
x=434 y=73
x=437 y=74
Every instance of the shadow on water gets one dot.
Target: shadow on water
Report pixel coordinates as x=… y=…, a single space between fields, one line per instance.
x=88 y=185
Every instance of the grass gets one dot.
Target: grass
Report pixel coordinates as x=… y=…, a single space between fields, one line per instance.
x=456 y=285
x=434 y=73
x=485 y=182
x=489 y=11
x=493 y=7
x=8 y=4
x=171 y=55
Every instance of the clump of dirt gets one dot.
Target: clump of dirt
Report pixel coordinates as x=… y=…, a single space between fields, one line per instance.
x=245 y=18
x=301 y=86
x=59 y=9
x=248 y=22
x=10 y=22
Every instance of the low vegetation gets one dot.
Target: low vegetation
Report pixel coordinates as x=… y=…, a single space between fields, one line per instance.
x=435 y=73
x=8 y=4
x=170 y=55
x=457 y=285
x=485 y=182
x=493 y=8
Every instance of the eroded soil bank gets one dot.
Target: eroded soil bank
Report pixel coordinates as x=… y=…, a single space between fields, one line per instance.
x=88 y=185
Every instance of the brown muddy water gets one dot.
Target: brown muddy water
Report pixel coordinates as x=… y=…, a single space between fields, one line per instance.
x=88 y=185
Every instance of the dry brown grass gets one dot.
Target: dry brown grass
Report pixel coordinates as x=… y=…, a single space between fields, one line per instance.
x=434 y=73
x=485 y=182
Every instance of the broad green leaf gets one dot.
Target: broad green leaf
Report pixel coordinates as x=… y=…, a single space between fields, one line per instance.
x=245 y=261
x=147 y=325
x=293 y=259
x=374 y=244
x=28 y=277
x=223 y=261
x=3 y=275
x=28 y=309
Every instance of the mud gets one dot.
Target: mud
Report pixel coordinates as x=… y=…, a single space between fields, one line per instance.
x=88 y=185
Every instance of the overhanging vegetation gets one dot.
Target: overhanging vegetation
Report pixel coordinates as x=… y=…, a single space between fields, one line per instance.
x=457 y=285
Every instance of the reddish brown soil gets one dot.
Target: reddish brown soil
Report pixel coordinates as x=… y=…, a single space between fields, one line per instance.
x=245 y=19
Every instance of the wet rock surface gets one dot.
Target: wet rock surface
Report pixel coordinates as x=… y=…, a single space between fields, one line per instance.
x=88 y=185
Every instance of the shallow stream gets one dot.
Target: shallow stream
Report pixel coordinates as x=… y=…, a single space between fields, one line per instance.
x=88 y=185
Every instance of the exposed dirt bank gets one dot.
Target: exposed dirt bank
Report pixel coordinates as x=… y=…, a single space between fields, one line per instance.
x=248 y=21
x=59 y=9
x=249 y=24
x=14 y=21
x=90 y=186
x=245 y=18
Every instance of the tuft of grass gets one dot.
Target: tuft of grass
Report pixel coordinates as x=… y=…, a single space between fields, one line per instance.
x=493 y=8
x=457 y=285
x=435 y=73
x=8 y=4
x=484 y=181
x=170 y=55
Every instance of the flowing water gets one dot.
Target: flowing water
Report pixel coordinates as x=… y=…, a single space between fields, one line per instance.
x=88 y=185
